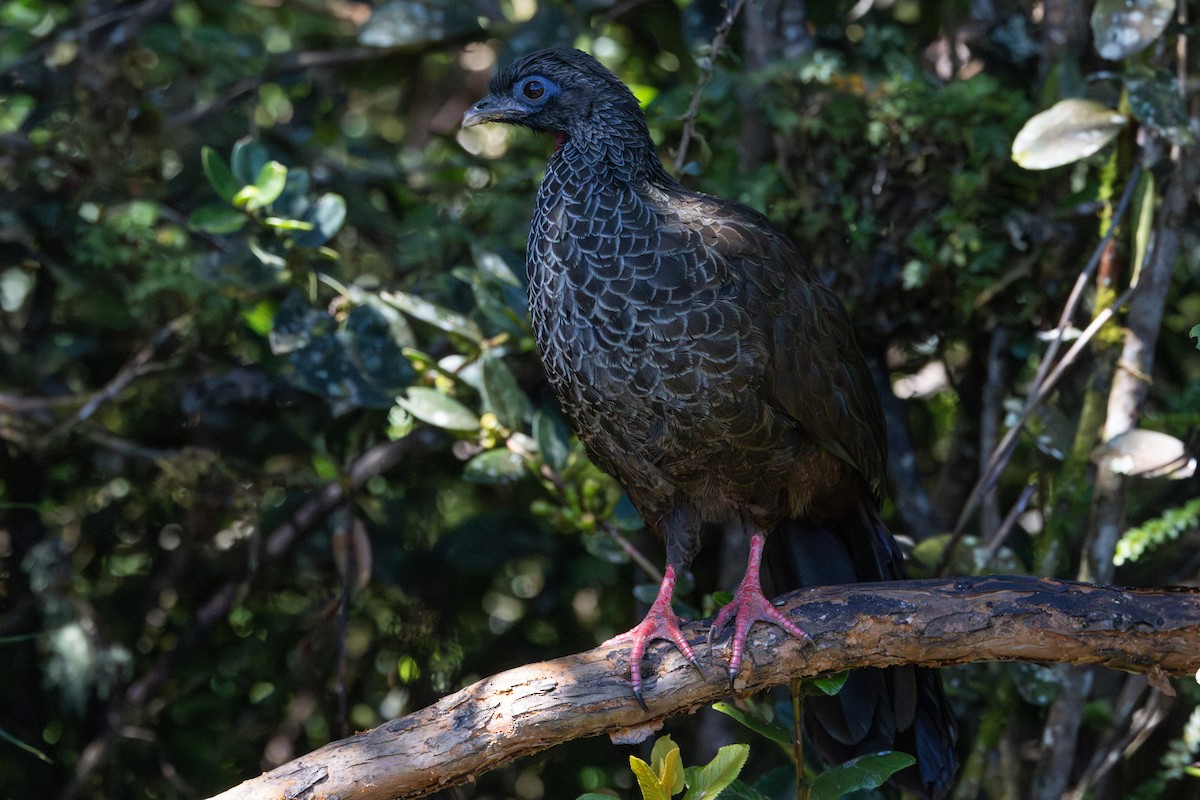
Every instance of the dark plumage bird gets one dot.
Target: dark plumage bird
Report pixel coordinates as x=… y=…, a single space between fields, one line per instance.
x=704 y=365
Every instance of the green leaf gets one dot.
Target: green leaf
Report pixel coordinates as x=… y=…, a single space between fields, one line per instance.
x=218 y=173
x=707 y=782
x=268 y=185
x=647 y=780
x=492 y=265
x=245 y=195
x=326 y=217
x=1156 y=532
x=442 y=318
x=374 y=335
x=281 y=224
x=605 y=548
x=501 y=393
x=260 y=317
x=217 y=220
x=742 y=791
x=247 y=159
x=1143 y=215
x=1066 y=132
x=435 y=408
x=1124 y=27
x=756 y=723
x=553 y=438
x=831 y=684
x=500 y=465
x=667 y=764
x=1154 y=100
x=864 y=772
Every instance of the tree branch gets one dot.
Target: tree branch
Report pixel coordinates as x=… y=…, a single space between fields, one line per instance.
x=932 y=622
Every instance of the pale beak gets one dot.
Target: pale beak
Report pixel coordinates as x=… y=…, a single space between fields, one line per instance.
x=492 y=109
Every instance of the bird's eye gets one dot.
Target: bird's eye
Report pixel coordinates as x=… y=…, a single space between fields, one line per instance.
x=533 y=89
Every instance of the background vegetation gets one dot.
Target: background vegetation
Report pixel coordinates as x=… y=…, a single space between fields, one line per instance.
x=278 y=459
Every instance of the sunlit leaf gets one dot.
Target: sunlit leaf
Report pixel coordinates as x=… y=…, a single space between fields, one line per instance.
x=705 y=783
x=864 y=772
x=830 y=685
x=1146 y=454
x=218 y=173
x=439 y=410
x=268 y=185
x=1066 y=132
x=1143 y=216
x=1154 y=533
x=326 y=217
x=281 y=224
x=500 y=465
x=647 y=780
x=260 y=317
x=1124 y=27
x=492 y=265
x=422 y=309
x=667 y=764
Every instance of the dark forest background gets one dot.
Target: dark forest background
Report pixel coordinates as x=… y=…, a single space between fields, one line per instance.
x=278 y=462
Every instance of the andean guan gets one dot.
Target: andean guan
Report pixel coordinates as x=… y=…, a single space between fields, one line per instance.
x=705 y=366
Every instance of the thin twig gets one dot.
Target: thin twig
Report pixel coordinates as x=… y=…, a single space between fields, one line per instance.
x=999 y=457
x=707 y=66
x=133 y=369
x=1010 y=521
x=1008 y=443
x=647 y=566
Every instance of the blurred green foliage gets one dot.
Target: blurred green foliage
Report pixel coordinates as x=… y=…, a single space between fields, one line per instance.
x=245 y=250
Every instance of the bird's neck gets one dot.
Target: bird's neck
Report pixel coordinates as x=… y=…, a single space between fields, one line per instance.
x=598 y=156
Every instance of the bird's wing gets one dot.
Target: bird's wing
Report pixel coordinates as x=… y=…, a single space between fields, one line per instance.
x=814 y=370
x=818 y=374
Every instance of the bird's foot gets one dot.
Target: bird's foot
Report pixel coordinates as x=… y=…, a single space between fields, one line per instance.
x=661 y=622
x=748 y=606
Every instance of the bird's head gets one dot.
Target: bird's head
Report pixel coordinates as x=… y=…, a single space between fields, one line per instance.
x=561 y=90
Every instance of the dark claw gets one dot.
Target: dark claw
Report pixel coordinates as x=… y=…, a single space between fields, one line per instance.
x=637 y=693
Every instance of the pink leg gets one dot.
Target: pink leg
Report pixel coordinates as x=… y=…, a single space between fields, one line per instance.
x=749 y=606
x=661 y=622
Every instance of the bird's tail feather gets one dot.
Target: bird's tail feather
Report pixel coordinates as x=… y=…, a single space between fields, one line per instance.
x=899 y=708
